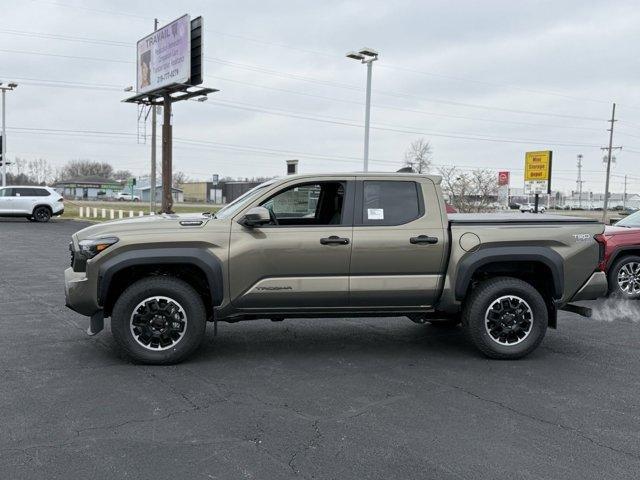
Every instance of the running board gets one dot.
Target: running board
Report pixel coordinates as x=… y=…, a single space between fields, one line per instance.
x=584 y=311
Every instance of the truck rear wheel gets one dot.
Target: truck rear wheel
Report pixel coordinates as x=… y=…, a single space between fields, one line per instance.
x=505 y=318
x=159 y=320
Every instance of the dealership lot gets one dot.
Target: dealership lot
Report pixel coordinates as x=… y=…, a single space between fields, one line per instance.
x=355 y=398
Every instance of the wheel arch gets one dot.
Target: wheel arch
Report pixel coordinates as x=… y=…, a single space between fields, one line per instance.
x=621 y=252
x=197 y=266
x=46 y=205
x=510 y=261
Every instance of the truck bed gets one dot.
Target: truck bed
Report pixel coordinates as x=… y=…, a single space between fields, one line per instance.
x=515 y=218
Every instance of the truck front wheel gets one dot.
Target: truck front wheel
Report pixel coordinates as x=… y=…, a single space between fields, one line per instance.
x=159 y=320
x=505 y=318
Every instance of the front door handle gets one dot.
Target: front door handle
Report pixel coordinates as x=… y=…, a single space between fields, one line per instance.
x=423 y=239
x=334 y=240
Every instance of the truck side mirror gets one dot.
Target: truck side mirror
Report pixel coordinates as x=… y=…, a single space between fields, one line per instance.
x=255 y=217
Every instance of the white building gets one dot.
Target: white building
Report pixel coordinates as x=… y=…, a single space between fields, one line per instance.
x=590 y=200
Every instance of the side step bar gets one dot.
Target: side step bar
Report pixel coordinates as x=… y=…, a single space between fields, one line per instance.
x=584 y=311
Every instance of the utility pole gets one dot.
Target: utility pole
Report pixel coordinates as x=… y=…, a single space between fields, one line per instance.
x=609 y=150
x=152 y=177
x=579 y=182
x=624 y=198
x=167 y=160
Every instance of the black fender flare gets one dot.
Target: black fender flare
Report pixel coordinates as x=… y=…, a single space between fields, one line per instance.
x=198 y=257
x=468 y=265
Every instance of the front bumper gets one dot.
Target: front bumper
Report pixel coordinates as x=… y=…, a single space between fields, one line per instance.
x=79 y=296
x=596 y=287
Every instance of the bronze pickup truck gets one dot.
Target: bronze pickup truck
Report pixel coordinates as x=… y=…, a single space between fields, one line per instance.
x=334 y=245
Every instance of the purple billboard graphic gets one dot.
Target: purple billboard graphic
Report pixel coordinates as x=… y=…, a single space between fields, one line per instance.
x=164 y=57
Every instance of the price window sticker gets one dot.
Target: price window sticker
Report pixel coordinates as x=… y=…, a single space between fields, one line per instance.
x=375 y=214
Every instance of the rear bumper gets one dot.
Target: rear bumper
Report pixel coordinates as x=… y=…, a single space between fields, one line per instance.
x=595 y=287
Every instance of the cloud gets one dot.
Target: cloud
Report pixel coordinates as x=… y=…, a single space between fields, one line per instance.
x=287 y=58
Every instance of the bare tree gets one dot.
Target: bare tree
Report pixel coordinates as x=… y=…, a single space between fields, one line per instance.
x=40 y=171
x=122 y=175
x=85 y=168
x=468 y=192
x=180 y=178
x=485 y=188
x=418 y=156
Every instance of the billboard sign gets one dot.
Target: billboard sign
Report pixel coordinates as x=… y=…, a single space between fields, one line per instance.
x=164 y=57
x=537 y=171
x=503 y=179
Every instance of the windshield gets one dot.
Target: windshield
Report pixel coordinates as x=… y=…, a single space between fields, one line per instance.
x=632 y=220
x=239 y=203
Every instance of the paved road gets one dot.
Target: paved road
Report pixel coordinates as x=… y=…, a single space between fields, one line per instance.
x=326 y=399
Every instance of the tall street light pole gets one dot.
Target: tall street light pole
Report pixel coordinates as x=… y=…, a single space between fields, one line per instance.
x=366 y=56
x=10 y=86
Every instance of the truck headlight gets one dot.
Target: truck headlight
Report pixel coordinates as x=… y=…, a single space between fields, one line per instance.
x=91 y=248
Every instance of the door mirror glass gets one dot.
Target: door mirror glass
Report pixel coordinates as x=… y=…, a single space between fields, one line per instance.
x=255 y=217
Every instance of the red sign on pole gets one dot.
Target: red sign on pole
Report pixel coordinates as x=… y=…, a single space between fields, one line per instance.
x=503 y=179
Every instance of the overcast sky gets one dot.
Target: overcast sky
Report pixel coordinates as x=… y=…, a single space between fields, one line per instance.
x=483 y=81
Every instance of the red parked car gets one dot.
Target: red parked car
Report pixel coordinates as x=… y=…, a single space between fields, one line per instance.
x=622 y=257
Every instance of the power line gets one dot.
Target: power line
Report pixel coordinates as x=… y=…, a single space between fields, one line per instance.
x=68 y=38
x=495 y=84
x=344 y=122
x=74 y=57
x=118 y=88
x=288 y=75
x=337 y=55
x=350 y=123
x=94 y=10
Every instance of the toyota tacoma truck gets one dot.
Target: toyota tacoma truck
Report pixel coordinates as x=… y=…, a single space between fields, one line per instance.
x=334 y=245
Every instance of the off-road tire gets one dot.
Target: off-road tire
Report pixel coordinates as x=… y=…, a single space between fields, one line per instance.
x=615 y=289
x=41 y=214
x=481 y=299
x=163 y=286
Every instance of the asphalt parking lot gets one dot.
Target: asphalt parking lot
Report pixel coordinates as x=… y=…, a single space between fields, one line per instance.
x=323 y=399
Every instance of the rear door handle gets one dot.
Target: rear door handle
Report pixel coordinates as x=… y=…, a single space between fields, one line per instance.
x=423 y=239
x=334 y=240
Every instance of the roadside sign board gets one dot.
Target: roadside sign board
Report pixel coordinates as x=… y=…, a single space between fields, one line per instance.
x=537 y=171
x=503 y=178
x=164 y=57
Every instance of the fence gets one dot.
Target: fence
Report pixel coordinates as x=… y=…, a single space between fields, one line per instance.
x=94 y=212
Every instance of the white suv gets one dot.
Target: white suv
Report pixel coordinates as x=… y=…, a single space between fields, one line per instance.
x=38 y=204
x=530 y=208
x=127 y=197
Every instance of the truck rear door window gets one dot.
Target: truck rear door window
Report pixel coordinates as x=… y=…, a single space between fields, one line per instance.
x=389 y=202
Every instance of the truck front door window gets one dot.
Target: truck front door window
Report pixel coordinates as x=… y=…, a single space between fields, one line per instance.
x=308 y=204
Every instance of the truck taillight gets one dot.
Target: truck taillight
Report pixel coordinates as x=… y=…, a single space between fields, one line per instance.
x=602 y=242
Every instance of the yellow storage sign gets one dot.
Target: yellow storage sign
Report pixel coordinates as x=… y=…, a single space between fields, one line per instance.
x=537 y=166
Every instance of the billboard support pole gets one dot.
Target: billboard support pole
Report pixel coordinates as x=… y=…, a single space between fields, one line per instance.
x=537 y=200
x=152 y=177
x=3 y=153
x=167 y=160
